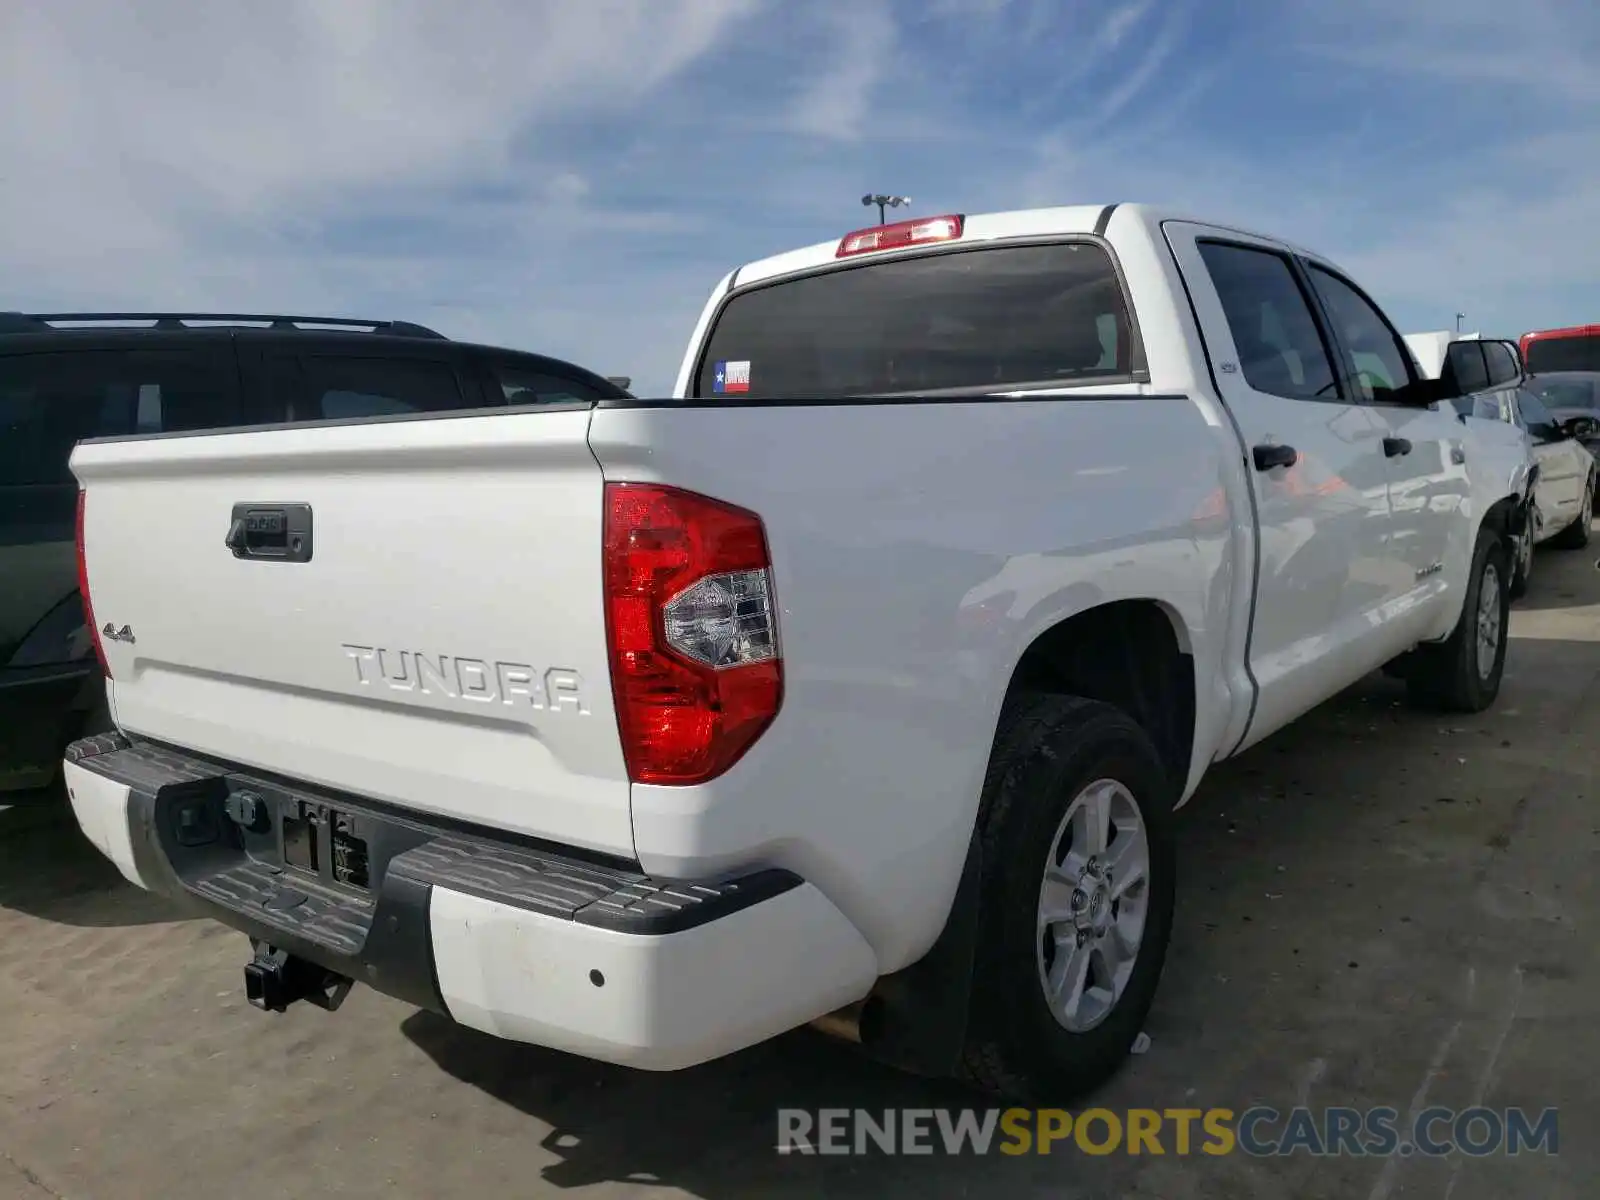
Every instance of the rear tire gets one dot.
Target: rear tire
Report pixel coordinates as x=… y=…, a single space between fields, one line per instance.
x=1463 y=673
x=1072 y=903
x=1576 y=535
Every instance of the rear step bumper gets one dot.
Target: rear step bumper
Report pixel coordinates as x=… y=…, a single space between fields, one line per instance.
x=523 y=942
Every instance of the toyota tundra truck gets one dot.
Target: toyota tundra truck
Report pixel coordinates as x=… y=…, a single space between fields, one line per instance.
x=854 y=684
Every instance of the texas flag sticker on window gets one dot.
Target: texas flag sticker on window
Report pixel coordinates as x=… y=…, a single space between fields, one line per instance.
x=731 y=377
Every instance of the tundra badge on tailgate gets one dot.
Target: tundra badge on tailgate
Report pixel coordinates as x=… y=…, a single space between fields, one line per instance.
x=486 y=681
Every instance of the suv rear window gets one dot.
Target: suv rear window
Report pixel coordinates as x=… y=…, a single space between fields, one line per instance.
x=996 y=318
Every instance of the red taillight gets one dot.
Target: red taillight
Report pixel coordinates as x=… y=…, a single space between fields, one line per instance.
x=900 y=234
x=691 y=622
x=83 y=592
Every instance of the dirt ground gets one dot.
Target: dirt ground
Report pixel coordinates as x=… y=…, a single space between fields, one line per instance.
x=1378 y=908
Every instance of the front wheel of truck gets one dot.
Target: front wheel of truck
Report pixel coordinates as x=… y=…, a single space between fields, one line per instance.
x=1463 y=673
x=1076 y=902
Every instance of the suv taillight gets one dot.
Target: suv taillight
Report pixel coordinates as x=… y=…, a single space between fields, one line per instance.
x=691 y=626
x=83 y=592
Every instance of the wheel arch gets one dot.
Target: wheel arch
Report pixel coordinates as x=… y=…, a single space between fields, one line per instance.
x=1136 y=654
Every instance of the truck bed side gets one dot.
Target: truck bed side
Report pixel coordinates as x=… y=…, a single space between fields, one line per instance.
x=918 y=550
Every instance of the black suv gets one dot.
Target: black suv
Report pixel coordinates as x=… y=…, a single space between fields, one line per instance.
x=68 y=376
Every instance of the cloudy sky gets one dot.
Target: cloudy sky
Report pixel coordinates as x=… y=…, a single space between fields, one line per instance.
x=573 y=176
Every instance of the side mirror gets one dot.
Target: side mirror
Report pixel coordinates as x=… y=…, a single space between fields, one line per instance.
x=1425 y=391
x=1515 y=352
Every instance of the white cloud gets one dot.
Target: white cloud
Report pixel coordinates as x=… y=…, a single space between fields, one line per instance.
x=574 y=175
x=858 y=50
x=1119 y=24
x=1500 y=218
x=182 y=154
x=1141 y=74
x=146 y=115
x=256 y=105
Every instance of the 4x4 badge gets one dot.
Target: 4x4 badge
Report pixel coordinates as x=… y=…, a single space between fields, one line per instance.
x=125 y=634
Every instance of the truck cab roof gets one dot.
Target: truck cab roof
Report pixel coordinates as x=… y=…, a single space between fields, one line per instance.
x=1061 y=220
x=953 y=302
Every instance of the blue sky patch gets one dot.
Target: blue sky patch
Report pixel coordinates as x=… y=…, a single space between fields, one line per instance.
x=575 y=178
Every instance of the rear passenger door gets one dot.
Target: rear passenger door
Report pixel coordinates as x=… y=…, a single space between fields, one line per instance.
x=1315 y=461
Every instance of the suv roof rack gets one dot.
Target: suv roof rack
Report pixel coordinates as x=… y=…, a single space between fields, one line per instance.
x=17 y=322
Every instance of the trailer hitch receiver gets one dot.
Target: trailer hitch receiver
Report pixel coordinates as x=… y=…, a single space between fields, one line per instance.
x=275 y=979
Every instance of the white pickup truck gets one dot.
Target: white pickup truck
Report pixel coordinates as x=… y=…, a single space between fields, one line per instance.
x=854 y=685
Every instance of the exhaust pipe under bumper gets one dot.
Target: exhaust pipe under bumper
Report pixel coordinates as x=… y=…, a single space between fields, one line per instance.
x=844 y=1023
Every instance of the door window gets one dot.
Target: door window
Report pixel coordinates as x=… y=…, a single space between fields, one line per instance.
x=50 y=402
x=519 y=386
x=1280 y=350
x=355 y=388
x=1381 y=361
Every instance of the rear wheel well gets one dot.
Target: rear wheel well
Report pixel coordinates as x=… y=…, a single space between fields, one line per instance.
x=1127 y=654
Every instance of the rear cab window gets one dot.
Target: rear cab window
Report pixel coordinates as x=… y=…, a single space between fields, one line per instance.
x=999 y=317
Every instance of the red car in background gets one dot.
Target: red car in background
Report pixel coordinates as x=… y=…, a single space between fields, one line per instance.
x=1573 y=349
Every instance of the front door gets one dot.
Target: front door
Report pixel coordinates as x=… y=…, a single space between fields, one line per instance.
x=1424 y=450
x=1316 y=465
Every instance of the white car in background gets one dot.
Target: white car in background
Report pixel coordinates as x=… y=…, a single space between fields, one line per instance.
x=1489 y=376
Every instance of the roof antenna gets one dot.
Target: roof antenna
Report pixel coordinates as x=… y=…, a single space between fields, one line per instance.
x=883 y=202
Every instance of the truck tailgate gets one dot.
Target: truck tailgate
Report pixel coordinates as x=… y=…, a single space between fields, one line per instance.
x=440 y=643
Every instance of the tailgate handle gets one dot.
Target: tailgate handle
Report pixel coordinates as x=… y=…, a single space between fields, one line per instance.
x=270 y=532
